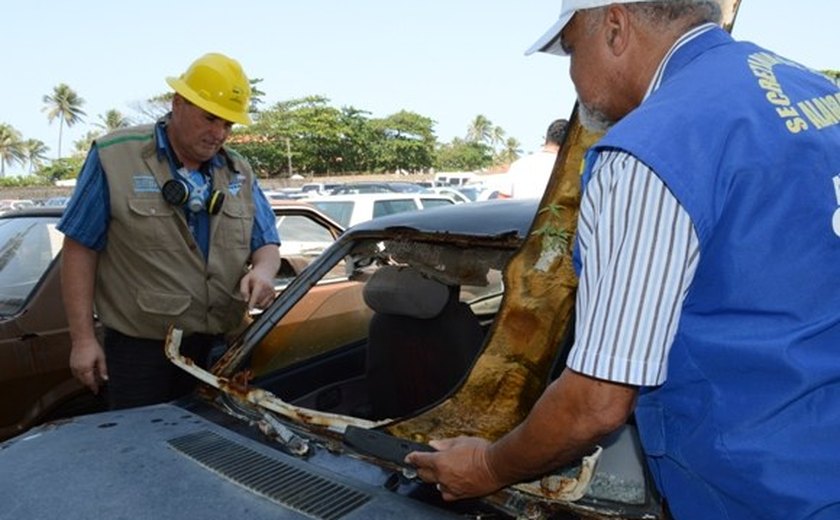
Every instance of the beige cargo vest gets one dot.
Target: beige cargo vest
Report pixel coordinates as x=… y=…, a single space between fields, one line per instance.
x=152 y=273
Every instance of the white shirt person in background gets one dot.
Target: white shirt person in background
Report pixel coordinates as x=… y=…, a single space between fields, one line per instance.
x=529 y=175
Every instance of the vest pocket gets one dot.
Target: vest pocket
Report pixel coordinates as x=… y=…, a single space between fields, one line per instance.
x=235 y=226
x=168 y=304
x=152 y=224
x=650 y=420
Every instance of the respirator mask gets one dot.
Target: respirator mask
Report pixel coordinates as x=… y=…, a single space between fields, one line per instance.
x=183 y=192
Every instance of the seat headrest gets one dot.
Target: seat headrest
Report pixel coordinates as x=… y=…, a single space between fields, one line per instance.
x=405 y=292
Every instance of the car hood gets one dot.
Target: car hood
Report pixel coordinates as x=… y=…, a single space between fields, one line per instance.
x=164 y=461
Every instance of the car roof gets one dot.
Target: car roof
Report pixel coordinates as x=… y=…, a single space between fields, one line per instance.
x=34 y=211
x=303 y=206
x=391 y=195
x=488 y=218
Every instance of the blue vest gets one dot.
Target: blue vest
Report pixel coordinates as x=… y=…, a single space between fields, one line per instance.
x=747 y=425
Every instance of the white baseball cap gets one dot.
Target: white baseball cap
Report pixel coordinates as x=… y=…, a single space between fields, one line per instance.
x=550 y=41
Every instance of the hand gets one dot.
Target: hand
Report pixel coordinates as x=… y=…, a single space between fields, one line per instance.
x=460 y=468
x=87 y=362
x=257 y=289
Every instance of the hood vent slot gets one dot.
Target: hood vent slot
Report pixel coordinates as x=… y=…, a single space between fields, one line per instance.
x=301 y=490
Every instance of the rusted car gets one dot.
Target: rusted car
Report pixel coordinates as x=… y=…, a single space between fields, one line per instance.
x=316 y=423
x=35 y=379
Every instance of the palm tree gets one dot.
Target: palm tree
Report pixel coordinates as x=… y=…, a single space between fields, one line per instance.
x=84 y=144
x=480 y=130
x=510 y=152
x=256 y=96
x=11 y=147
x=35 y=151
x=65 y=105
x=497 y=135
x=112 y=120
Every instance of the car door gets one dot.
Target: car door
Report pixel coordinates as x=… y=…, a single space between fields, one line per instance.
x=34 y=337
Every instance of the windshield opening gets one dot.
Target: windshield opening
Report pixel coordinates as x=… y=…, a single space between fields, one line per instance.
x=394 y=334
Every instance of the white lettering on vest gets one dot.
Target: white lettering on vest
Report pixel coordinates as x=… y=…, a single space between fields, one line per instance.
x=761 y=64
x=835 y=222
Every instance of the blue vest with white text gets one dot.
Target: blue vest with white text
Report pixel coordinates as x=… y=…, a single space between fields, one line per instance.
x=747 y=425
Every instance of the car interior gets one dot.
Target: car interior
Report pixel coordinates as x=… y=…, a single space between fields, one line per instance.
x=402 y=332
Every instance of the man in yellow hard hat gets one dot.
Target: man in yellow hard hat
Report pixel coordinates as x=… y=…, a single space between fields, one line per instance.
x=167 y=226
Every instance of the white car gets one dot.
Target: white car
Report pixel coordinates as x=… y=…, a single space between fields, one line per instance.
x=456 y=195
x=349 y=210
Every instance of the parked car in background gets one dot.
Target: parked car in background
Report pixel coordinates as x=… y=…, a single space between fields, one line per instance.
x=316 y=424
x=314 y=189
x=351 y=188
x=305 y=232
x=454 y=193
x=35 y=379
x=349 y=210
x=57 y=201
x=454 y=178
x=15 y=204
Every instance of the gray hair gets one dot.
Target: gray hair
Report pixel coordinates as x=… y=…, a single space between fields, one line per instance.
x=694 y=12
x=687 y=13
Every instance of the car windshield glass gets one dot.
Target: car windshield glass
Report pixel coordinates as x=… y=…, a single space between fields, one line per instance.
x=302 y=232
x=339 y=210
x=27 y=247
x=433 y=203
x=302 y=239
x=389 y=207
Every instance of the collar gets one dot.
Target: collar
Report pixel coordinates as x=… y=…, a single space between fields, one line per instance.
x=693 y=45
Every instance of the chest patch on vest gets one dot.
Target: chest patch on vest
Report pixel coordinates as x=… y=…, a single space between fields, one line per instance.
x=236 y=184
x=145 y=184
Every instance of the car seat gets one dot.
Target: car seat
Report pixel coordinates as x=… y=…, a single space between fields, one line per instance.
x=422 y=339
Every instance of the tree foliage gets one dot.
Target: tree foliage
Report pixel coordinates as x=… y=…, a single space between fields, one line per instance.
x=11 y=147
x=318 y=138
x=463 y=155
x=112 y=120
x=65 y=168
x=35 y=152
x=306 y=135
x=834 y=75
x=65 y=105
x=405 y=142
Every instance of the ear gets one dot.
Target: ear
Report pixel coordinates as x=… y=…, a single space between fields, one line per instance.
x=618 y=28
x=177 y=101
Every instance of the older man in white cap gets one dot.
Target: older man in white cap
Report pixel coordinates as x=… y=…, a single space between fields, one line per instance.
x=708 y=250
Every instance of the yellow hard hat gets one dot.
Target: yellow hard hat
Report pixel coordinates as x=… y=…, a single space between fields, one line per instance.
x=217 y=84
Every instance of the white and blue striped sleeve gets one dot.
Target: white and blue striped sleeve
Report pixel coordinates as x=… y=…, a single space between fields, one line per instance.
x=639 y=252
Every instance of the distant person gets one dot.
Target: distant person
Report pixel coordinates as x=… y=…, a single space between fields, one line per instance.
x=529 y=175
x=166 y=227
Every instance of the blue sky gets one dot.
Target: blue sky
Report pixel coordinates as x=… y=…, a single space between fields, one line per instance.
x=446 y=59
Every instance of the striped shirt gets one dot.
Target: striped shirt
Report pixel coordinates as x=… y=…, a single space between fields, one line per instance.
x=639 y=252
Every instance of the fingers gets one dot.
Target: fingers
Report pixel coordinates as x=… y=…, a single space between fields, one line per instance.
x=87 y=363
x=88 y=378
x=457 y=469
x=443 y=444
x=257 y=292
